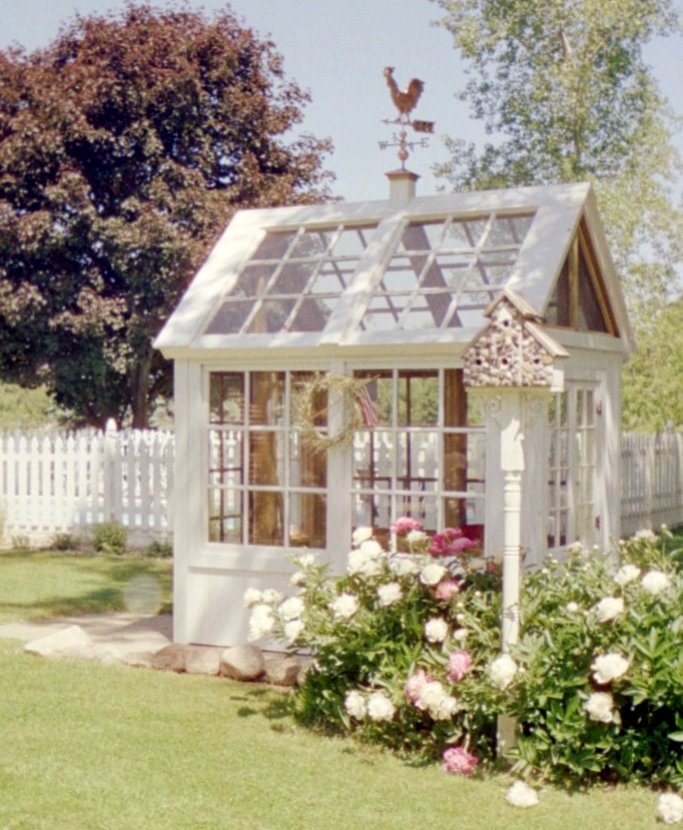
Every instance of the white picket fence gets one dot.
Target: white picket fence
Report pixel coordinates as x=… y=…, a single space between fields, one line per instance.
x=651 y=481
x=54 y=483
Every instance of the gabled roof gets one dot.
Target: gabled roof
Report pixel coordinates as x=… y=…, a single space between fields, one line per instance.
x=380 y=273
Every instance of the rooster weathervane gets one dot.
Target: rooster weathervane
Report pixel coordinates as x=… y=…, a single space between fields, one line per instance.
x=405 y=102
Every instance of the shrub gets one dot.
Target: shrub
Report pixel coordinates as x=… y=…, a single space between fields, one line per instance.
x=20 y=542
x=65 y=541
x=110 y=537
x=159 y=549
x=406 y=652
x=599 y=696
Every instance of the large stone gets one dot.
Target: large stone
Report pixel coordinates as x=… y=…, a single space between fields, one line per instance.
x=67 y=642
x=242 y=663
x=170 y=658
x=202 y=660
x=282 y=670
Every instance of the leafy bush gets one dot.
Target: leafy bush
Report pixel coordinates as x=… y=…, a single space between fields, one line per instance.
x=159 y=549
x=65 y=541
x=110 y=537
x=599 y=696
x=20 y=542
x=406 y=652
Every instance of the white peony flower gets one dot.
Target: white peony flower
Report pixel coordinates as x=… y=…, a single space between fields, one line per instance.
x=360 y=535
x=380 y=707
x=670 y=808
x=297 y=579
x=654 y=582
x=609 y=608
x=432 y=574
x=345 y=606
x=436 y=630
x=292 y=608
x=609 y=667
x=416 y=537
x=572 y=607
x=521 y=795
x=460 y=635
x=355 y=705
x=403 y=565
x=502 y=671
x=626 y=574
x=389 y=594
x=434 y=699
x=600 y=707
x=252 y=596
x=646 y=534
x=372 y=549
x=305 y=560
x=271 y=596
x=293 y=629
x=261 y=621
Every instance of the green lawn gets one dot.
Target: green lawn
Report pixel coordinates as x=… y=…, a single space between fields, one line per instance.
x=92 y=746
x=43 y=584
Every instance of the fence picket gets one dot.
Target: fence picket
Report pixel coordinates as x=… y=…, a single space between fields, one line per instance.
x=69 y=482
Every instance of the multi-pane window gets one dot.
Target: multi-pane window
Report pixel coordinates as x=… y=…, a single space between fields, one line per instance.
x=420 y=455
x=572 y=467
x=266 y=487
x=445 y=272
x=293 y=282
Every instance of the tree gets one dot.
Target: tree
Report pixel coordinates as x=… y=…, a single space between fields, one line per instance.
x=125 y=147
x=564 y=87
x=653 y=394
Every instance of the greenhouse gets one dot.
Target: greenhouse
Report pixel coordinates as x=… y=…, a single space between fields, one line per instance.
x=453 y=358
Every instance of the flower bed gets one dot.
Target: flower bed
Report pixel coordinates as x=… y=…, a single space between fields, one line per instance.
x=407 y=653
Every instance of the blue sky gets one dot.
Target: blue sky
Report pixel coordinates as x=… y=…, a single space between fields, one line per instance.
x=337 y=49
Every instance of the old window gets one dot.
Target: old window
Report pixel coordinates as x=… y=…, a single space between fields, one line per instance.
x=265 y=486
x=420 y=454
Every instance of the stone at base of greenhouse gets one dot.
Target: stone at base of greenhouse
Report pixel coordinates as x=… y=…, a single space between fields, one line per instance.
x=243 y=663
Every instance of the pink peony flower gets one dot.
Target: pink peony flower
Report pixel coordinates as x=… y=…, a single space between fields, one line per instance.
x=405 y=524
x=459 y=664
x=415 y=685
x=458 y=761
x=446 y=589
x=450 y=542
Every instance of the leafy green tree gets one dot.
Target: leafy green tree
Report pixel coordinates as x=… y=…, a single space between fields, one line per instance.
x=125 y=147
x=653 y=393
x=565 y=94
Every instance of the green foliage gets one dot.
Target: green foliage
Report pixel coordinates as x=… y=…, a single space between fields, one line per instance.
x=651 y=380
x=20 y=542
x=25 y=408
x=159 y=549
x=593 y=683
x=125 y=147
x=565 y=91
x=65 y=541
x=110 y=537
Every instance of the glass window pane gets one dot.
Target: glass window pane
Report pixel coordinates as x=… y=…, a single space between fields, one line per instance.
x=311 y=244
x=307 y=520
x=271 y=316
x=418 y=398
x=266 y=461
x=313 y=313
x=379 y=390
x=293 y=278
x=230 y=317
x=307 y=468
x=226 y=397
x=266 y=398
x=225 y=516
x=373 y=510
x=274 y=246
x=315 y=406
x=373 y=460
x=423 y=236
x=266 y=518
x=225 y=452
x=352 y=242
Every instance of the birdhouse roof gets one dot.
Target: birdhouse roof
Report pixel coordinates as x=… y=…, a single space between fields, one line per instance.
x=425 y=271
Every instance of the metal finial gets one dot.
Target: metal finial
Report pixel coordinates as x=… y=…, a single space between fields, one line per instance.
x=405 y=102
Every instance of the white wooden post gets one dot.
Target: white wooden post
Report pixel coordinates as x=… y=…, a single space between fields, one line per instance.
x=512 y=466
x=111 y=486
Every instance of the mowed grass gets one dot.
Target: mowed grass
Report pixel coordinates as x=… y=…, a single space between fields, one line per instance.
x=38 y=585
x=92 y=746
x=85 y=745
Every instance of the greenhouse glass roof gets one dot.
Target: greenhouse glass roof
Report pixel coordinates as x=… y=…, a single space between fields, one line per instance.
x=384 y=272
